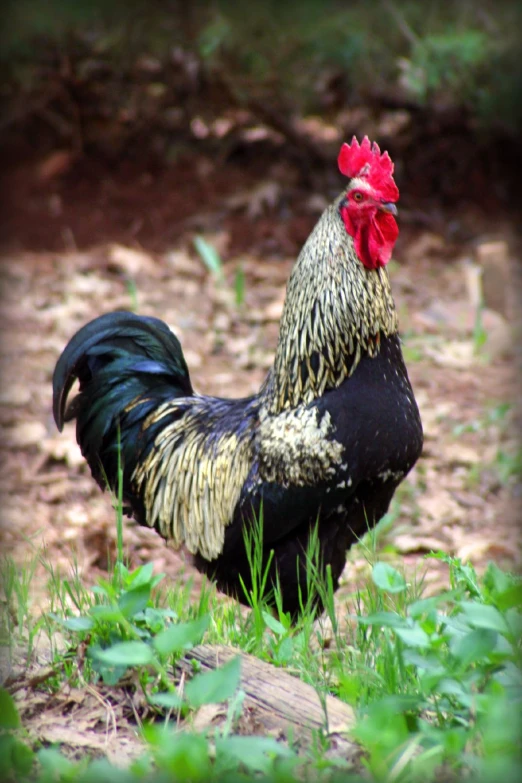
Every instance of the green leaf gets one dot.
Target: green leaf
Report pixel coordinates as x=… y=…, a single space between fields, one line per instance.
x=510 y=676
x=428 y=663
x=209 y=256
x=454 y=740
x=484 y=616
x=239 y=285
x=9 y=718
x=214 y=686
x=78 y=623
x=285 y=650
x=73 y=623
x=178 y=637
x=168 y=699
x=16 y=758
x=54 y=764
x=426 y=605
x=413 y=637
x=383 y=728
x=104 y=589
x=274 y=624
x=102 y=771
x=125 y=654
x=514 y=621
x=450 y=687
x=388 y=619
x=497 y=581
x=110 y=614
x=255 y=753
x=475 y=645
x=121 y=571
x=135 y=600
x=388 y=578
x=22 y=757
x=141 y=576
x=509 y=598
x=185 y=756
x=7 y=743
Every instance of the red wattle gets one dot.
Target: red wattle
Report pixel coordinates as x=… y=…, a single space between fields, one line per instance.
x=374 y=239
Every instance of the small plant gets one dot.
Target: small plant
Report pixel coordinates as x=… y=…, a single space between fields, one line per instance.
x=132 y=290
x=448 y=664
x=496 y=416
x=480 y=335
x=16 y=758
x=436 y=682
x=15 y=585
x=508 y=464
x=239 y=285
x=212 y=260
x=210 y=257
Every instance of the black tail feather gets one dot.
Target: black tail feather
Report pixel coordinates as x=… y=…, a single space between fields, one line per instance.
x=127 y=365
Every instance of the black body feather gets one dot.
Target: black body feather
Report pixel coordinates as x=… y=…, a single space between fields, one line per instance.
x=379 y=427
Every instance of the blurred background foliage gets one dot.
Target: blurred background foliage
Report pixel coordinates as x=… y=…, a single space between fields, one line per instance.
x=259 y=84
x=297 y=56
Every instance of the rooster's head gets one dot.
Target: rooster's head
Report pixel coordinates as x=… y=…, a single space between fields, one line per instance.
x=368 y=208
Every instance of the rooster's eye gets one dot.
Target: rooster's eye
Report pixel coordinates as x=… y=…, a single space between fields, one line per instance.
x=357 y=196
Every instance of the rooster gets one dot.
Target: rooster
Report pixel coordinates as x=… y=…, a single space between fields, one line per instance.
x=319 y=450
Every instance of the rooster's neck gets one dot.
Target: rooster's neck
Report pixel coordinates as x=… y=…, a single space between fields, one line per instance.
x=335 y=311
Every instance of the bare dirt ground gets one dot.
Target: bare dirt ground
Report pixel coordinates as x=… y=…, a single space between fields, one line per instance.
x=462 y=498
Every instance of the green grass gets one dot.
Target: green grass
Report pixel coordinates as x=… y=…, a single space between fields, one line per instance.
x=214 y=264
x=506 y=465
x=435 y=682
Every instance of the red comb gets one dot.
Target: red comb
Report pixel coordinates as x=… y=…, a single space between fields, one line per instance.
x=367 y=162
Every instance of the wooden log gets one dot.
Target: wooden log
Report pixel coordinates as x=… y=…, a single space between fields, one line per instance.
x=279 y=704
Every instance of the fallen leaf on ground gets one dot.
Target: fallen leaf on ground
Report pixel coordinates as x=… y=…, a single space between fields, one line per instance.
x=27 y=433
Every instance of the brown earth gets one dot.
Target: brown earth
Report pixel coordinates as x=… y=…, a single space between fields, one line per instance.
x=82 y=241
x=454 y=500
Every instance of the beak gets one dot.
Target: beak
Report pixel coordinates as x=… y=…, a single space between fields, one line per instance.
x=389 y=207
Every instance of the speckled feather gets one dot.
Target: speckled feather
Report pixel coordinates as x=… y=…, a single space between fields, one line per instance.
x=192 y=478
x=335 y=310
